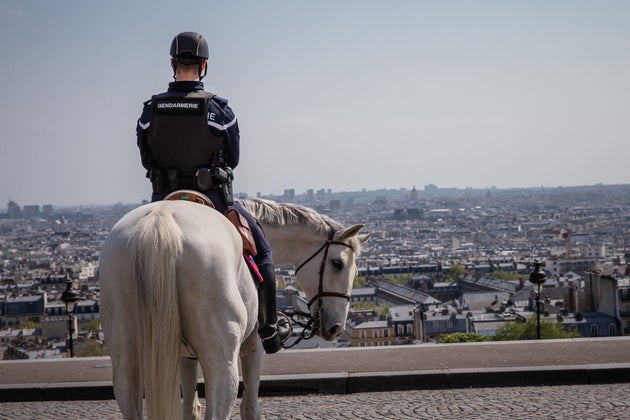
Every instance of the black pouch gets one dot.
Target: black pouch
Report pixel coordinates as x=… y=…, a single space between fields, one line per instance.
x=173 y=181
x=203 y=179
x=155 y=176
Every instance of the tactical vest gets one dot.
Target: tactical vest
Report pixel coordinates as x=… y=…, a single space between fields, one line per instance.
x=179 y=136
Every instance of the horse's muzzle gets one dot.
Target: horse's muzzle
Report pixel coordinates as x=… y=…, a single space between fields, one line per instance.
x=330 y=333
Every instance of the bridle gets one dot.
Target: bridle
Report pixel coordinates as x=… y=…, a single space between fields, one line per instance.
x=320 y=291
x=311 y=327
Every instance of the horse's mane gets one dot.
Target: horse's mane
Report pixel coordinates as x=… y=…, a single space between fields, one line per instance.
x=283 y=214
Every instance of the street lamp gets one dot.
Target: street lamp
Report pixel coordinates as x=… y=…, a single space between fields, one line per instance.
x=537 y=278
x=70 y=298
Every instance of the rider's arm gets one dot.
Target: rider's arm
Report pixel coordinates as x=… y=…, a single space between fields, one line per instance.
x=142 y=127
x=222 y=121
x=232 y=140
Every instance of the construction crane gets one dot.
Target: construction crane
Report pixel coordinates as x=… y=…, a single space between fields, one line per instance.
x=566 y=235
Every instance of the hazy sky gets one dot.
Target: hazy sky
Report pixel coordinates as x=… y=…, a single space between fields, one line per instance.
x=329 y=94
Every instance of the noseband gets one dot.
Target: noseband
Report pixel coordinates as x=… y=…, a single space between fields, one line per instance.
x=309 y=329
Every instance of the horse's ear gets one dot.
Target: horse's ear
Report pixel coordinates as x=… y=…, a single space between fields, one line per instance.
x=350 y=232
x=364 y=238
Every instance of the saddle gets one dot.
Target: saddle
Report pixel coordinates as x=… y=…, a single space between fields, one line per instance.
x=190 y=195
x=239 y=222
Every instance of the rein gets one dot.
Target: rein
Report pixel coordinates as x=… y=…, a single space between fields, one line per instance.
x=311 y=327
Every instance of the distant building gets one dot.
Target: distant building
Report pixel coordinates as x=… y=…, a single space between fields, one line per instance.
x=86 y=311
x=14 y=210
x=609 y=296
x=54 y=279
x=322 y=196
x=23 y=308
x=406 y=320
x=588 y=324
x=47 y=210
x=30 y=211
x=407 y=214
x=369 y=334
x=364 y=294
x=443 y=291
x=470 y=283
x=413 y=195
x=430 y=188
x=444 y=321
x=397 y=294
x=559 y=266
x=288 y=196
x=24 y=335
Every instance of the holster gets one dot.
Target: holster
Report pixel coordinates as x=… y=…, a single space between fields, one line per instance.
x=249 y=246
x=224 y=177
x=226 y=188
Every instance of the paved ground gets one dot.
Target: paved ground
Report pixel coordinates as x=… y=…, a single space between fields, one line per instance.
x=591 y=379
x=575 y=402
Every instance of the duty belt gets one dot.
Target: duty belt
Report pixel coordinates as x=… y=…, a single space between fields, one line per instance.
x=166 y=181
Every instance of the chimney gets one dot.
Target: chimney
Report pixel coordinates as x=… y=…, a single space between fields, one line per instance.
x=572 y=304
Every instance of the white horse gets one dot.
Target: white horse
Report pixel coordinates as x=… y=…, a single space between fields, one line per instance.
x=175 y=291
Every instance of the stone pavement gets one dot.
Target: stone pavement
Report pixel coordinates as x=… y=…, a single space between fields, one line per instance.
x=586 y=378
x=575 y=402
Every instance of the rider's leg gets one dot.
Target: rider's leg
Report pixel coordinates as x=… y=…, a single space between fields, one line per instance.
x=272 y=331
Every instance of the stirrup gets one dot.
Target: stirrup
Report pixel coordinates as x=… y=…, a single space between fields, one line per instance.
x=281 y=323
x=273 y=343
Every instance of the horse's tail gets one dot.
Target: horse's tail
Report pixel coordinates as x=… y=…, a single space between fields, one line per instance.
x=155 y=247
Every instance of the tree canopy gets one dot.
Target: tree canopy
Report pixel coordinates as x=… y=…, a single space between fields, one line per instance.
x=527 y=330
x=454 y=272
x=463 y=338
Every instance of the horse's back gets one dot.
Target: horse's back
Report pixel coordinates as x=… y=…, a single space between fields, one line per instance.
x=211 y=255
x=202 y=229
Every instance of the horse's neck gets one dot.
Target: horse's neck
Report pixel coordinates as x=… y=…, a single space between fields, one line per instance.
x=292 y=244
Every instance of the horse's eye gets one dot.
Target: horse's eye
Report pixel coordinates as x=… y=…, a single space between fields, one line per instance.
x=337 y=263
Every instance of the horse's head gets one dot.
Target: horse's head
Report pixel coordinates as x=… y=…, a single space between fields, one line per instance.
x=327 y=278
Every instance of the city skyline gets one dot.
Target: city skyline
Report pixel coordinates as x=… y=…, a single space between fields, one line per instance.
x=323 y=197
x=460 y=95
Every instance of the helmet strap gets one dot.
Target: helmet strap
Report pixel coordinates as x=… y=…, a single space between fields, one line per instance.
x=205 y=69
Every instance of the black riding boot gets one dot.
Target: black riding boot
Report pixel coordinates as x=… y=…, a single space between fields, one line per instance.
x=272 y=331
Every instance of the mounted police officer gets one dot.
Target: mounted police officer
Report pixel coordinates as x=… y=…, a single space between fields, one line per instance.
x=189 y=139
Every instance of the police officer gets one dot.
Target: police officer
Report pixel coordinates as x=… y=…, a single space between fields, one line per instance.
x=189 y=139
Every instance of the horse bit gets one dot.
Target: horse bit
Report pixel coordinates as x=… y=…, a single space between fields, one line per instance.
x=310 y=328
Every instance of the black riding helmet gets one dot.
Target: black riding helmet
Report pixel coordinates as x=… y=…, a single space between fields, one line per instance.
x=189 y=48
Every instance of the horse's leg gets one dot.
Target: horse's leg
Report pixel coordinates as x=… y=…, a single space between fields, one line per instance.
x=127 y=385
x=126 y=367
x=120 y=336
x=190 y=405
x=218 y=358
x=214 y=328
x=251 y=363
